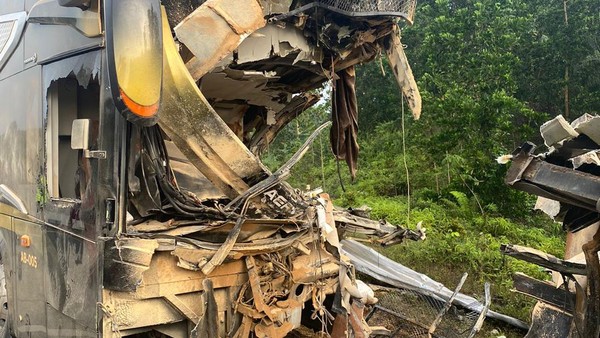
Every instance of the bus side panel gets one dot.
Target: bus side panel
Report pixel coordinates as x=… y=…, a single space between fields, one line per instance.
x=7 y=249
x=30 y=303
x=21 y=138
x=71 y=283
x=11 y=6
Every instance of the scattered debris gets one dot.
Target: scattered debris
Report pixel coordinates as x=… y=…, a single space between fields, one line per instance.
x=375 y=265
x=566 y=179
x=207 y=220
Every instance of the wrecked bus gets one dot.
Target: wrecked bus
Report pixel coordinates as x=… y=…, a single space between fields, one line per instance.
x=132 y=198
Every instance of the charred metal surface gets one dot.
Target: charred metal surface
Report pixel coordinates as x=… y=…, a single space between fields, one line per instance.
x=124 y=262
x=531 y=174
x=568 y=175
x=545 y=292
x=549 y=322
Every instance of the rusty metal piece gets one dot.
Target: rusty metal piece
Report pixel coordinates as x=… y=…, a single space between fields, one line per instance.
x=359 y=326
x=592 y=311
x=244 y=329
x=267 y=329
x=219 y=256
x=254 y=279
x=340 y=326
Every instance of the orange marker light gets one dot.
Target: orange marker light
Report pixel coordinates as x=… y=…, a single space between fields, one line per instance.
x=138 y=109
x=25 y=241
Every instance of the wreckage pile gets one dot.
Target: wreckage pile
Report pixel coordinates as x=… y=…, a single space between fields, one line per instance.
x=566 y=173
x=566 y=177
x=263 y=257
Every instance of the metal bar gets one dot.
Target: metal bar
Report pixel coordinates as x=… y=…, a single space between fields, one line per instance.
x=401 y=316
x=543 y=259
x=446 y=307
x=405 y=16
x=483 y=314
x=533 y=175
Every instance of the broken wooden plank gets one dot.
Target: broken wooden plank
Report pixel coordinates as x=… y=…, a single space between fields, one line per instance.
x=544 y=292
x=543 y=259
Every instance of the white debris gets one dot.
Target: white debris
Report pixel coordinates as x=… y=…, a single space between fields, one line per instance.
x=504 y=159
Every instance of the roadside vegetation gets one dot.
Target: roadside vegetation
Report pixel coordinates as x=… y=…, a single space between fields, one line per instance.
x=490 y=73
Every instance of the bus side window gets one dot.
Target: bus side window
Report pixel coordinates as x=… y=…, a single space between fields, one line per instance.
x=67 y=101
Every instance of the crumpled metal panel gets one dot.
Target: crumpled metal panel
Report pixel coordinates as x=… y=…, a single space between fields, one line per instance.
x=372 y=263
x=215 y=29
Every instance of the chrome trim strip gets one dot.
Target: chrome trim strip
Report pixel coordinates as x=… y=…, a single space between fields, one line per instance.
x=7 y=196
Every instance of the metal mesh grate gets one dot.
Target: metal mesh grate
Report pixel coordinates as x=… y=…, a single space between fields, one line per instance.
x=404 y=8
x=409 y=314
x=5 y=31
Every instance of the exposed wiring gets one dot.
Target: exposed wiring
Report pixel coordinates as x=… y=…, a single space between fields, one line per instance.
x=184 y=204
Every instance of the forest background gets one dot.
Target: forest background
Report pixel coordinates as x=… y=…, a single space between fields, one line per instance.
x=490 y=73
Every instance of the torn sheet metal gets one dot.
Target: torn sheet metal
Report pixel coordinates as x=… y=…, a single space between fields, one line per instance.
x=532 y=174
x=568 y=174
x=215 y=29
x=403 y=74
x=587 y=158
x=371 y=263
x=548 y=206
x=277 y=41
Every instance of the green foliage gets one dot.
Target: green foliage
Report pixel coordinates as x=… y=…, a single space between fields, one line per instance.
x=461 y=240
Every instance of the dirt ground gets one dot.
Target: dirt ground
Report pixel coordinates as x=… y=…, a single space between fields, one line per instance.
x=409 y=314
